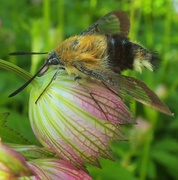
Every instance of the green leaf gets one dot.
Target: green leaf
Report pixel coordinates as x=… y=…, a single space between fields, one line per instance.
x=3 y=118
x=151 y=171
x=168 y=160
x=169 y=145
x=9 y=135
x=110 y=170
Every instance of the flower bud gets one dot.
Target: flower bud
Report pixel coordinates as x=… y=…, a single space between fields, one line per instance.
x=12 y=164
x=56 y=169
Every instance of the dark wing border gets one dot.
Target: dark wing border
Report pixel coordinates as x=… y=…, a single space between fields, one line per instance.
x=115 y=22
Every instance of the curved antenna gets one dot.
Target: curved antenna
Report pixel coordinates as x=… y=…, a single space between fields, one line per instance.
x=28 y=82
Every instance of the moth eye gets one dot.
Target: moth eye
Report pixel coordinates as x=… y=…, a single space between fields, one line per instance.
x=53 y=61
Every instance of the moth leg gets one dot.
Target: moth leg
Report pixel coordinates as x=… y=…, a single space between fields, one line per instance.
x=54 y=77
x=77 y=78
x=99 y=74
x=116 y=93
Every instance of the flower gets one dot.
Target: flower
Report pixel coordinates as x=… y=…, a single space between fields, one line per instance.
x=76 y=119
x=12 y=164
x=56 y=169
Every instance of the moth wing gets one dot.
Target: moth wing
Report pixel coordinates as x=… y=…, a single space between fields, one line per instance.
x=127 y=85
x=140 y=92
x=116 y=22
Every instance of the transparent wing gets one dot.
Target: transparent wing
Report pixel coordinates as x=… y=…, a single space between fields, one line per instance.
x=116 y=22
x=128 y=85
x=140 y=92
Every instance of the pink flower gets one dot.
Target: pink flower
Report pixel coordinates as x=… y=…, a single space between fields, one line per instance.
x=56 y=169
x=76 y=121
x=12 y=164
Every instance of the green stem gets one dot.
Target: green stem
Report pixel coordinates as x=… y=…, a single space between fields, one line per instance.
x=146 y=155
x=15 y=69
x=135 y=20
x=61 y=23
x=93 y=4
x=46 y=18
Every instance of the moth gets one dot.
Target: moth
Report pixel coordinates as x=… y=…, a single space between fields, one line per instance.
x=102 y=52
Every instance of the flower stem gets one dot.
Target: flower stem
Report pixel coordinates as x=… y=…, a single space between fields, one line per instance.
x=15 y=69
x=146 y=155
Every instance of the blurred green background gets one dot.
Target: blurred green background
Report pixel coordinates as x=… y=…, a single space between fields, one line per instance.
x=36 y=25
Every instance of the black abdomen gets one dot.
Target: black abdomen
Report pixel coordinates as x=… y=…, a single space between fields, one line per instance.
x=120 y=53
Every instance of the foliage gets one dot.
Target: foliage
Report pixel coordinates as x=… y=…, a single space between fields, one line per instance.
x=35 y=25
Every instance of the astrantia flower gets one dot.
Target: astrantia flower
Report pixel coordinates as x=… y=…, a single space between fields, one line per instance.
x=51 y=169
x=12 y=164
x=76 y=121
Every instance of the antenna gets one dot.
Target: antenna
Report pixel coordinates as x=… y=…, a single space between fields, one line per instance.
x=26 y=53
x=28 y=82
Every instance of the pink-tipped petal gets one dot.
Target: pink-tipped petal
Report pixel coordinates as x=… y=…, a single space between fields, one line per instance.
x=12 y=164
x=77 y=121
x=57 y=169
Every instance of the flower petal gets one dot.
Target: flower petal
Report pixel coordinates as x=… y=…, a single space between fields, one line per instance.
x=108 y=107
x=56 y=169
x=12 y=164
x=77 y=121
